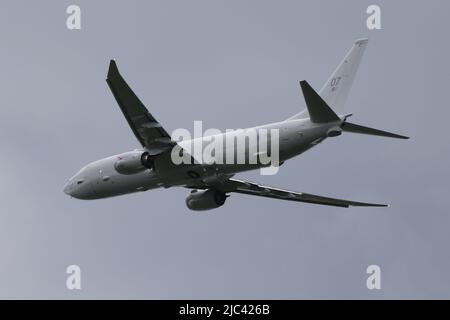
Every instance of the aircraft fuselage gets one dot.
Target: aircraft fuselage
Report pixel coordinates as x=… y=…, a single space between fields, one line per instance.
x=100 y=179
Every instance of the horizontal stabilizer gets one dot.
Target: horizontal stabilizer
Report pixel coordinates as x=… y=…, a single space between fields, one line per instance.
x=355 y=128
x=318 y=109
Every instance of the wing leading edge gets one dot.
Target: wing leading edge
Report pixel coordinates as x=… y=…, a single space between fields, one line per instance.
x=144 y=126
x=238 y=186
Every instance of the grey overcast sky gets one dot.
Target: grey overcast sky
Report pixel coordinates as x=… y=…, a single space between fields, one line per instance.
x=232 y=64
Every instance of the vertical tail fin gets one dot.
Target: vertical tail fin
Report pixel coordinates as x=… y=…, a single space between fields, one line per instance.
x=335 y=91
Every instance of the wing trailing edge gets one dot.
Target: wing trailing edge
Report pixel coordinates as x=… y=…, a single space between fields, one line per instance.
x=250 y=188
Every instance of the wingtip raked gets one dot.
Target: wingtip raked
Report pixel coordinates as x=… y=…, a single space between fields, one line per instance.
x=112 y=68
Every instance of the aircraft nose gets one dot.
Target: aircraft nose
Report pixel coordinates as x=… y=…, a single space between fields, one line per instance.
x=66 y=188
x=80 y=189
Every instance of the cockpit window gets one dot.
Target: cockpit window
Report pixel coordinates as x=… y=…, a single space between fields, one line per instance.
x=80 y=181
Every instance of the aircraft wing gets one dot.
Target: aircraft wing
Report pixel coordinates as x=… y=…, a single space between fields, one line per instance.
x=146 y=129
x=233 y=185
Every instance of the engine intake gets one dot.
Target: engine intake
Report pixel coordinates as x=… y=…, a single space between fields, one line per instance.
x=205 y=200
x=133 y=162
x=147 y=160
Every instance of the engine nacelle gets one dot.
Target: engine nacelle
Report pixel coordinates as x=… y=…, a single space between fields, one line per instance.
x=133 y=162
x=334 y=132
x=205 y=200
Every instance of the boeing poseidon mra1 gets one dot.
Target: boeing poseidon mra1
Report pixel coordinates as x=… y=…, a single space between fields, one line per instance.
x=152 y=166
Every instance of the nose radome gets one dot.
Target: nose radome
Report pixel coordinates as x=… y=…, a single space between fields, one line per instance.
x=82 y=191
x=66 y=188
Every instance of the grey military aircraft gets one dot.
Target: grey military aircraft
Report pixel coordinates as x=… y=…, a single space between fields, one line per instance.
x=152 y=165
